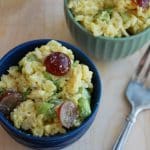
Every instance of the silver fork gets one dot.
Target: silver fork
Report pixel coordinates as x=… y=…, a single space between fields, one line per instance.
x=138 y=96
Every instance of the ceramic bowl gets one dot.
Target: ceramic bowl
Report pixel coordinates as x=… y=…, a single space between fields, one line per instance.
x=101 y=47
x=57 y=141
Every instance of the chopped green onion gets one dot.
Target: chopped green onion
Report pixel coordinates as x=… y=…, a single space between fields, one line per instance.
x=26 y=93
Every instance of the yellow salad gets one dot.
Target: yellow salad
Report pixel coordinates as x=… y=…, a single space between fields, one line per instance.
x=51 y=91
x=111 y=18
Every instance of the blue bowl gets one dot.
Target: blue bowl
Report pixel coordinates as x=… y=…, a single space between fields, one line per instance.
x=58 y=141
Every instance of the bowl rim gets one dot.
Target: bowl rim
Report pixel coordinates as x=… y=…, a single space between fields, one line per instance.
x=73 y=132
x=83 y=29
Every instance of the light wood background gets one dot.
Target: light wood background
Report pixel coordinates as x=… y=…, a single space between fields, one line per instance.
x=23 y=20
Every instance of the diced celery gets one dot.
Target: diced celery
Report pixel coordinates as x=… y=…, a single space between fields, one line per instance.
x=44 y=108
x=48 y=108
x=84 y=107
x=85 y=93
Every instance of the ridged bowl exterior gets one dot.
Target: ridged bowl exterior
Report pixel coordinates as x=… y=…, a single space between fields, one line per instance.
x=58 y=141
x=101 y=47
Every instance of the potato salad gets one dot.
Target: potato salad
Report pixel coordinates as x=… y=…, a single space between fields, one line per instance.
x=115 y=18
x=48 y=93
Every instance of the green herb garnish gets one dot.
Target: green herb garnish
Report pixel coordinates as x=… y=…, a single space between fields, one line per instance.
x=32 y=57
x=26 y=93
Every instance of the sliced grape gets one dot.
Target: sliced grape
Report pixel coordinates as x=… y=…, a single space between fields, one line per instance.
x=68 y=114
x=143 y=3
x=9 y=100
x=57 y=63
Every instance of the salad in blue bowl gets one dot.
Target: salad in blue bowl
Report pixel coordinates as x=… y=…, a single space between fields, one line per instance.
x=49 y=93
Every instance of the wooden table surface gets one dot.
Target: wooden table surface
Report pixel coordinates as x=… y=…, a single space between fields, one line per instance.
x=23 y=20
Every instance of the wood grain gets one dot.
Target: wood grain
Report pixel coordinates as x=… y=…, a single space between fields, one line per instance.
x=21 y=21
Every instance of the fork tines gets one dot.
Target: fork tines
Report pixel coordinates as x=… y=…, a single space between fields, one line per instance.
x=141 y=65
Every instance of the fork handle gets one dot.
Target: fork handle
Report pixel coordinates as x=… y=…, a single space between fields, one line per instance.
x=125 y=132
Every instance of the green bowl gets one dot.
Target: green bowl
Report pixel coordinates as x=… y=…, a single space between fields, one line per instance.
x=104 y=47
